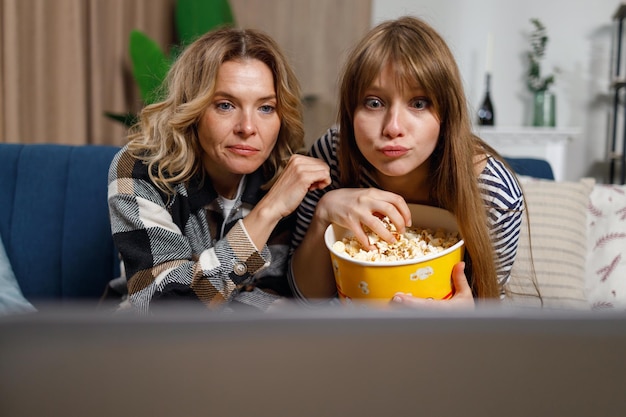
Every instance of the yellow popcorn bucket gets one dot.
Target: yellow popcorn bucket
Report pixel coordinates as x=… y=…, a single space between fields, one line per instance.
x=425 y=277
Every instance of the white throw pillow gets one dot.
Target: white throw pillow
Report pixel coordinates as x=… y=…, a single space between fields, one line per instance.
x=12 y=300
x=558 y=238
x=606 y=255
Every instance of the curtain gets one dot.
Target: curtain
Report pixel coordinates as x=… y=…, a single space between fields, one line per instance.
x=315 y=35
x=63 y=63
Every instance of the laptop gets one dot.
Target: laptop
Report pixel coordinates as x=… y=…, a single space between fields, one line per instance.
x=314 y=362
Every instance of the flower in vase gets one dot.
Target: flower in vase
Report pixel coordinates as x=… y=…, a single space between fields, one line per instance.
x=538 y=42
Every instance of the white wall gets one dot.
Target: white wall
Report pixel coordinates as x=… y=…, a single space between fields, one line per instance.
x=579 y=33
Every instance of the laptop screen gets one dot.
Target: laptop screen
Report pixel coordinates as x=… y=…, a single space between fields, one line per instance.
x=316 y=362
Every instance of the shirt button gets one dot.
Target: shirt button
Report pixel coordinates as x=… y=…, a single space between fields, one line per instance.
x=240 y=268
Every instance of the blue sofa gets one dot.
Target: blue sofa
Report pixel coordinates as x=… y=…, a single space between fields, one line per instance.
x=54 y=220
x=531 y=167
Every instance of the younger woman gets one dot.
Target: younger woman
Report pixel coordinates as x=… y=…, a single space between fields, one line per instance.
x=405 y=136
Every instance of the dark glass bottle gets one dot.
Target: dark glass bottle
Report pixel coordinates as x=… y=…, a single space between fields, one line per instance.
x=486 y=115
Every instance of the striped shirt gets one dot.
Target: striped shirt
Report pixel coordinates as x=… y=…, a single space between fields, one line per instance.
x=181 y=246
x=500 y=191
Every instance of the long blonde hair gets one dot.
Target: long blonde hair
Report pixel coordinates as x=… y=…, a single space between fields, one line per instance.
x=166 y=136
x=419 y=55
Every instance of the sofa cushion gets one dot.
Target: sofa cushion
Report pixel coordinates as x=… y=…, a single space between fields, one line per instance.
x=54 y=219
x=558 y=238
x=531 y=167
x=606 y=258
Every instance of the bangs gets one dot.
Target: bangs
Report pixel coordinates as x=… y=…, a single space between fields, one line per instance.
x=409 y=68
x=408 y=75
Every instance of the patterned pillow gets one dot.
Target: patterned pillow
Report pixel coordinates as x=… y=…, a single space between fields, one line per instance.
x=558 y=238
x=606 y=254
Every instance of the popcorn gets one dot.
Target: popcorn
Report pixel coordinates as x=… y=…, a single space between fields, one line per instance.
x=414 y=243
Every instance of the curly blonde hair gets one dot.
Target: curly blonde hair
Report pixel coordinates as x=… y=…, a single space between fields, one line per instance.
x=166 y=138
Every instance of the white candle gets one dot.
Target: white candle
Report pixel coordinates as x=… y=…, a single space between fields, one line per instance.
x=489 y=60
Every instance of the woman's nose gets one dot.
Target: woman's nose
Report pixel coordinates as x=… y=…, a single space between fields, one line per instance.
x=245 y=125
x=393 y=123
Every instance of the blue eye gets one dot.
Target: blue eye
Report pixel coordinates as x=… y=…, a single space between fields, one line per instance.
x=373 y=103
x=421 y=103
x=224 y=106
x=267 y=109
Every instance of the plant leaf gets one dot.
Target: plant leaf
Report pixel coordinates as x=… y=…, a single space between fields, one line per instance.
x=128 y=119
x=196 y=17
x=150 y=65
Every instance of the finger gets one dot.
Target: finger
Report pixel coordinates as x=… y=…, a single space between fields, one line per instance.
x=462 y=297
x=361 y=234
x=397 y=217
x=363 y=239
x=406 y=213
x=376 y=225
x=308 y=168
x=400 y=215
x=303 y=174
x=407 y=300
x=395 y=207
x=459 y=280
x=320 y=184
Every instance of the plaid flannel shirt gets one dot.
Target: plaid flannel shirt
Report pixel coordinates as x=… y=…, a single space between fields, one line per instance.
x=181 y=247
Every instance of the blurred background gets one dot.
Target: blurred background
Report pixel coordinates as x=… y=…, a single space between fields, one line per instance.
x=64 y=63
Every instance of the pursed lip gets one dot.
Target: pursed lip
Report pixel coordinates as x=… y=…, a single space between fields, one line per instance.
x=393 y=150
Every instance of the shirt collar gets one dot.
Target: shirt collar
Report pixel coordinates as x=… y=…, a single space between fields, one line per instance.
x=201 y=191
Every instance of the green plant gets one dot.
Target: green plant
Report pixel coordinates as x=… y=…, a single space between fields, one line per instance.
x=150 y=63
x=538 y=43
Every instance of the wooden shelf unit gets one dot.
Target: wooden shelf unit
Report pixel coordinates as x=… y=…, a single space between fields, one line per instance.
x=617 y=152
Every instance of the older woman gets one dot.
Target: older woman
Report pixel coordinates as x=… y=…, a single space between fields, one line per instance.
x=202 y=197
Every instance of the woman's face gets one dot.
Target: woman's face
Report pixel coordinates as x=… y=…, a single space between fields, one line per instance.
x=395 y=129
x=239 y=128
